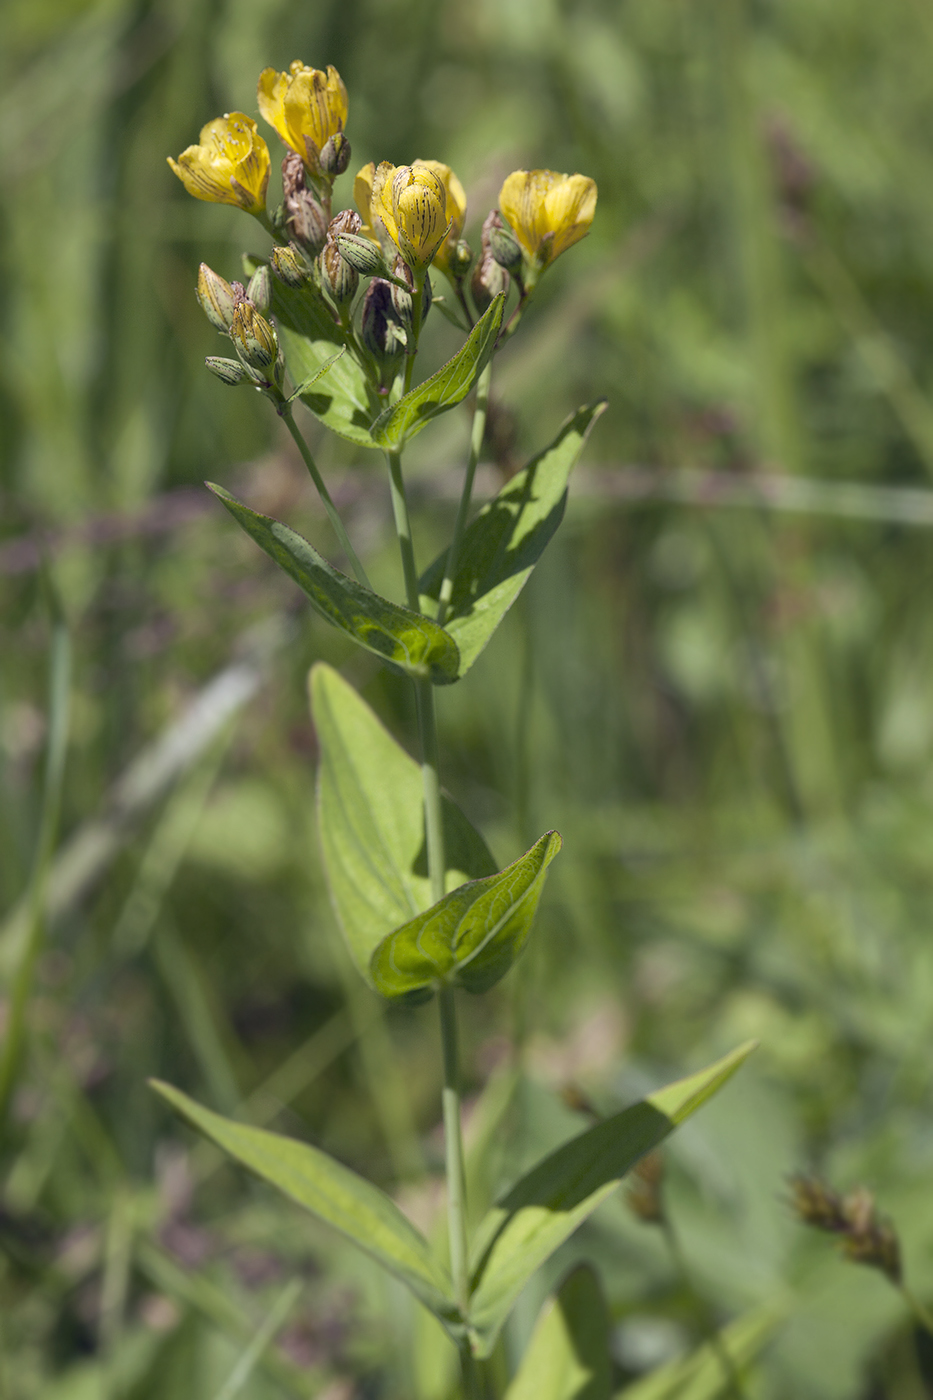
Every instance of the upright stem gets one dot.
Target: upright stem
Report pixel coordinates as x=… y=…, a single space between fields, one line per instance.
x=403 y=528
x=339 y=528
x=434 y=830
x=463 y=509
x=417 y=303
x=453 y=1150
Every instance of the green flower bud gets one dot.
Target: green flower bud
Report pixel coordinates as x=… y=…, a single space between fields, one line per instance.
x=363 y=254
x=335 y=155
x=289 y=266
x=460 y=260
x=254 y=338
x=401 y=300
x=229 y=371
x=217 y=298
x=502 y=243
x=259 y=289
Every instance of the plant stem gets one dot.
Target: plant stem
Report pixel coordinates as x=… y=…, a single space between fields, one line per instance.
x=411 y=350
x=434 y=832
x=716 y=1343
x=476 y=443
x=403 y=528
x=453 y=1148
x=285 y=413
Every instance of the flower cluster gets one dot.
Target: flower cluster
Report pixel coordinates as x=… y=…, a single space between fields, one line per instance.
x=409 y=218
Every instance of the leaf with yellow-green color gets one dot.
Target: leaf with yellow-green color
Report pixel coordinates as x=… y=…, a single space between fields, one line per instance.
x=472 y=936
x=548 y=1204
x=371 y=821
x=568 y=1355
x=445 y=388
x=334 y=1194
x=395 y=634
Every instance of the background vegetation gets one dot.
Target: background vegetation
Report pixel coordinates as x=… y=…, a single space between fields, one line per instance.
x=719 y=692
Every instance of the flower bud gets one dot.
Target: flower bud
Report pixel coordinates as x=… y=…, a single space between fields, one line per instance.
x=335 y=155
x=229 y=371
x=259 y=289
x=289 y=266
x=305 y=216
x=340 y=278
x=401 y=300
x=217 y=298
x=362 y=254
x=460 y=260
x=253 y=337
x=502 y=243
x=489 y=276
x=380 y=330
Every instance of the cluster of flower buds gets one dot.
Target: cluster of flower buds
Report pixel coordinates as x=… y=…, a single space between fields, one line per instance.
x=240 y=313
x=410 y=218
x=866 y=1236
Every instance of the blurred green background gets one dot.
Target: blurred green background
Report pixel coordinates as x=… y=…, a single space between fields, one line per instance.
x=719 y=693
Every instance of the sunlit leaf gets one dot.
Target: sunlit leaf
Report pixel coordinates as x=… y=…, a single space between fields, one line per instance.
x=505 y=541
x=309 y=337
x=334 y=1194
x=548 y=1204
x=371 y=817
x=403 y=638
x=444 y=389
x=567 y=1357
x=471 y=937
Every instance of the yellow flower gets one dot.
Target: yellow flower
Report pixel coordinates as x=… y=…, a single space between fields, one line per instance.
x=305 y=106
x=456 y=210
x=229 y=166
x=548 y=212
x=411 y=202
x=363 y=199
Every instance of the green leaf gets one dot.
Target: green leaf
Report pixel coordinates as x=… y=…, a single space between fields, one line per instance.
x=568 y=1355
x=548 y=1204
x=333 y=1193
x=505 y=541
x=471 y=937
x=398 y=636
x=703 y=1376
x=448 y=387
x=309 y=337
x=371 y=818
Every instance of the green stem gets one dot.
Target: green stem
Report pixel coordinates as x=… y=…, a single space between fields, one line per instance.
x=472 y=1389
x=476 y=443
x=403 y=528
x=417 y=303
x=453 y=1152
x=287 y=417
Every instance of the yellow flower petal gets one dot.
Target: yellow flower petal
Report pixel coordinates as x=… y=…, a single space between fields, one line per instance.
x=306 y=106
x=363 y=199
x=230 y=165
x=411 y=202
x=456 y=207
x=548 y=212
